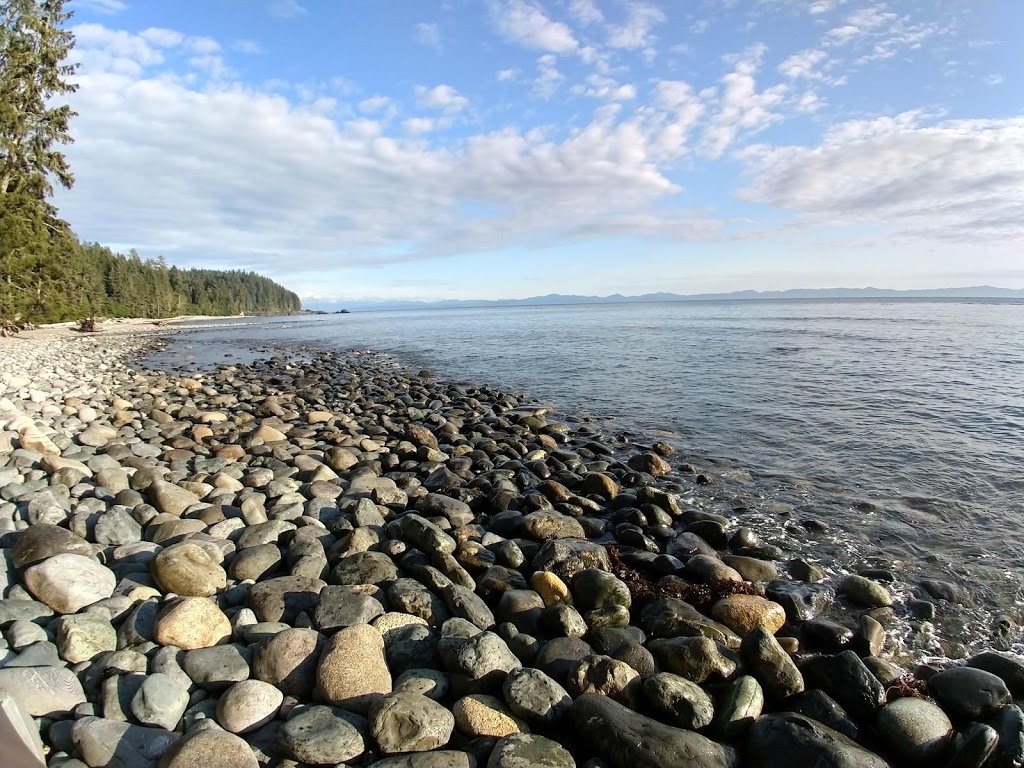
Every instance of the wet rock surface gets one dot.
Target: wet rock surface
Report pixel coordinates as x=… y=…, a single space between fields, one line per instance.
x=324 y=559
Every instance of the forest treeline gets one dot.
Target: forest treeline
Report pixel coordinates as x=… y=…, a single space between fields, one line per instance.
x=88 y=279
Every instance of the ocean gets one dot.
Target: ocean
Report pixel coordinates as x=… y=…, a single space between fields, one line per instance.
x=859 y=433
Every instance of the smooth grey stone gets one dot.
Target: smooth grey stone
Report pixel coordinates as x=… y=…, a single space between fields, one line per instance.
x=567 y=557
x=39 y=654
x=465 y=604
x=22 y=610
x=43 y=691
x=160 y=701
x=410 y=722
x=525 y=750
x=321 y=735
x=967 y=693
x=288 y=660
x=115 y=744
x=429 y=682
x=413 y=646
x=626 y=739
x=285 y=597
x=786 y=739
x=117 y=693
x=218 y=668
x=916 y=730
x=563 y=621
x=410 y=596
x=535 y=697
x=484 y=661
x=344 y=606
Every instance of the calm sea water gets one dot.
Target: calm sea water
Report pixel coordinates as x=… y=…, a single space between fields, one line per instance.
x=897 y=423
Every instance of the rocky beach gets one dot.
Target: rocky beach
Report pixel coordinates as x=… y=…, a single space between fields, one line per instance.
x=323 y=559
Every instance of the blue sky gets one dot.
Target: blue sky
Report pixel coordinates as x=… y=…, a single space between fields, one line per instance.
x=363 y=149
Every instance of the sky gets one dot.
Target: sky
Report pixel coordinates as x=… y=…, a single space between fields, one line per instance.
x=482 y=149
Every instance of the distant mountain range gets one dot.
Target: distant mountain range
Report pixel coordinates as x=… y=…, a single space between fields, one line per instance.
x=973 y=292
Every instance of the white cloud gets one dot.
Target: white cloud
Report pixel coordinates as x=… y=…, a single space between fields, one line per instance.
x=442 y=97
x=880 y=33
x=810 y=64
x=636 y=33
x=247 y=46
x=605 y=88
x=375 y=105
x=548 y=79
x=158 y=36
x=163 y=164
x=419 y=125
x=286 y=9
x=585 y=11
x=993 y=79
x=741 y=107
x=526 y=24
x=428 y=34
x=959 y=181
x=504 y=75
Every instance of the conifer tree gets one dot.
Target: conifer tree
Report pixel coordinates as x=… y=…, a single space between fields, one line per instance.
x=33 y=71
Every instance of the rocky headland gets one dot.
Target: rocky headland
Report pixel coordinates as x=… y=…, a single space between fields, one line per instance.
x=323 y=559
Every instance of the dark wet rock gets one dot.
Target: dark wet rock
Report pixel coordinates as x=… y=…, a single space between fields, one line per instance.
x=523 y=608
x=973 y=746
x=800 y=601
x=864 y=592
x=671 y=617
x=737 y=706
x=786 y=739
x=819 y=706
x=627 y=739
x=1008 y=667
x=567 y=557
x=826 y=635
x=968 y=693
x=413 y=646
x=1008 y=722
x=845 y=678
x=605 y=676
x=593 y=588
x=558 y=656
x=678 y=701
x=771 y=665
x=695 y=658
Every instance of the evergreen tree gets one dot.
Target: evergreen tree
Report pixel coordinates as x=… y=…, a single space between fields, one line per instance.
x=33 y=47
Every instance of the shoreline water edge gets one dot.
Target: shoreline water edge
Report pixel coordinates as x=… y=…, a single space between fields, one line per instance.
x=322 y=558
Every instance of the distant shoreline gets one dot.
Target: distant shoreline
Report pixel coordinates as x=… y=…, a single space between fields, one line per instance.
x=986 y=292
